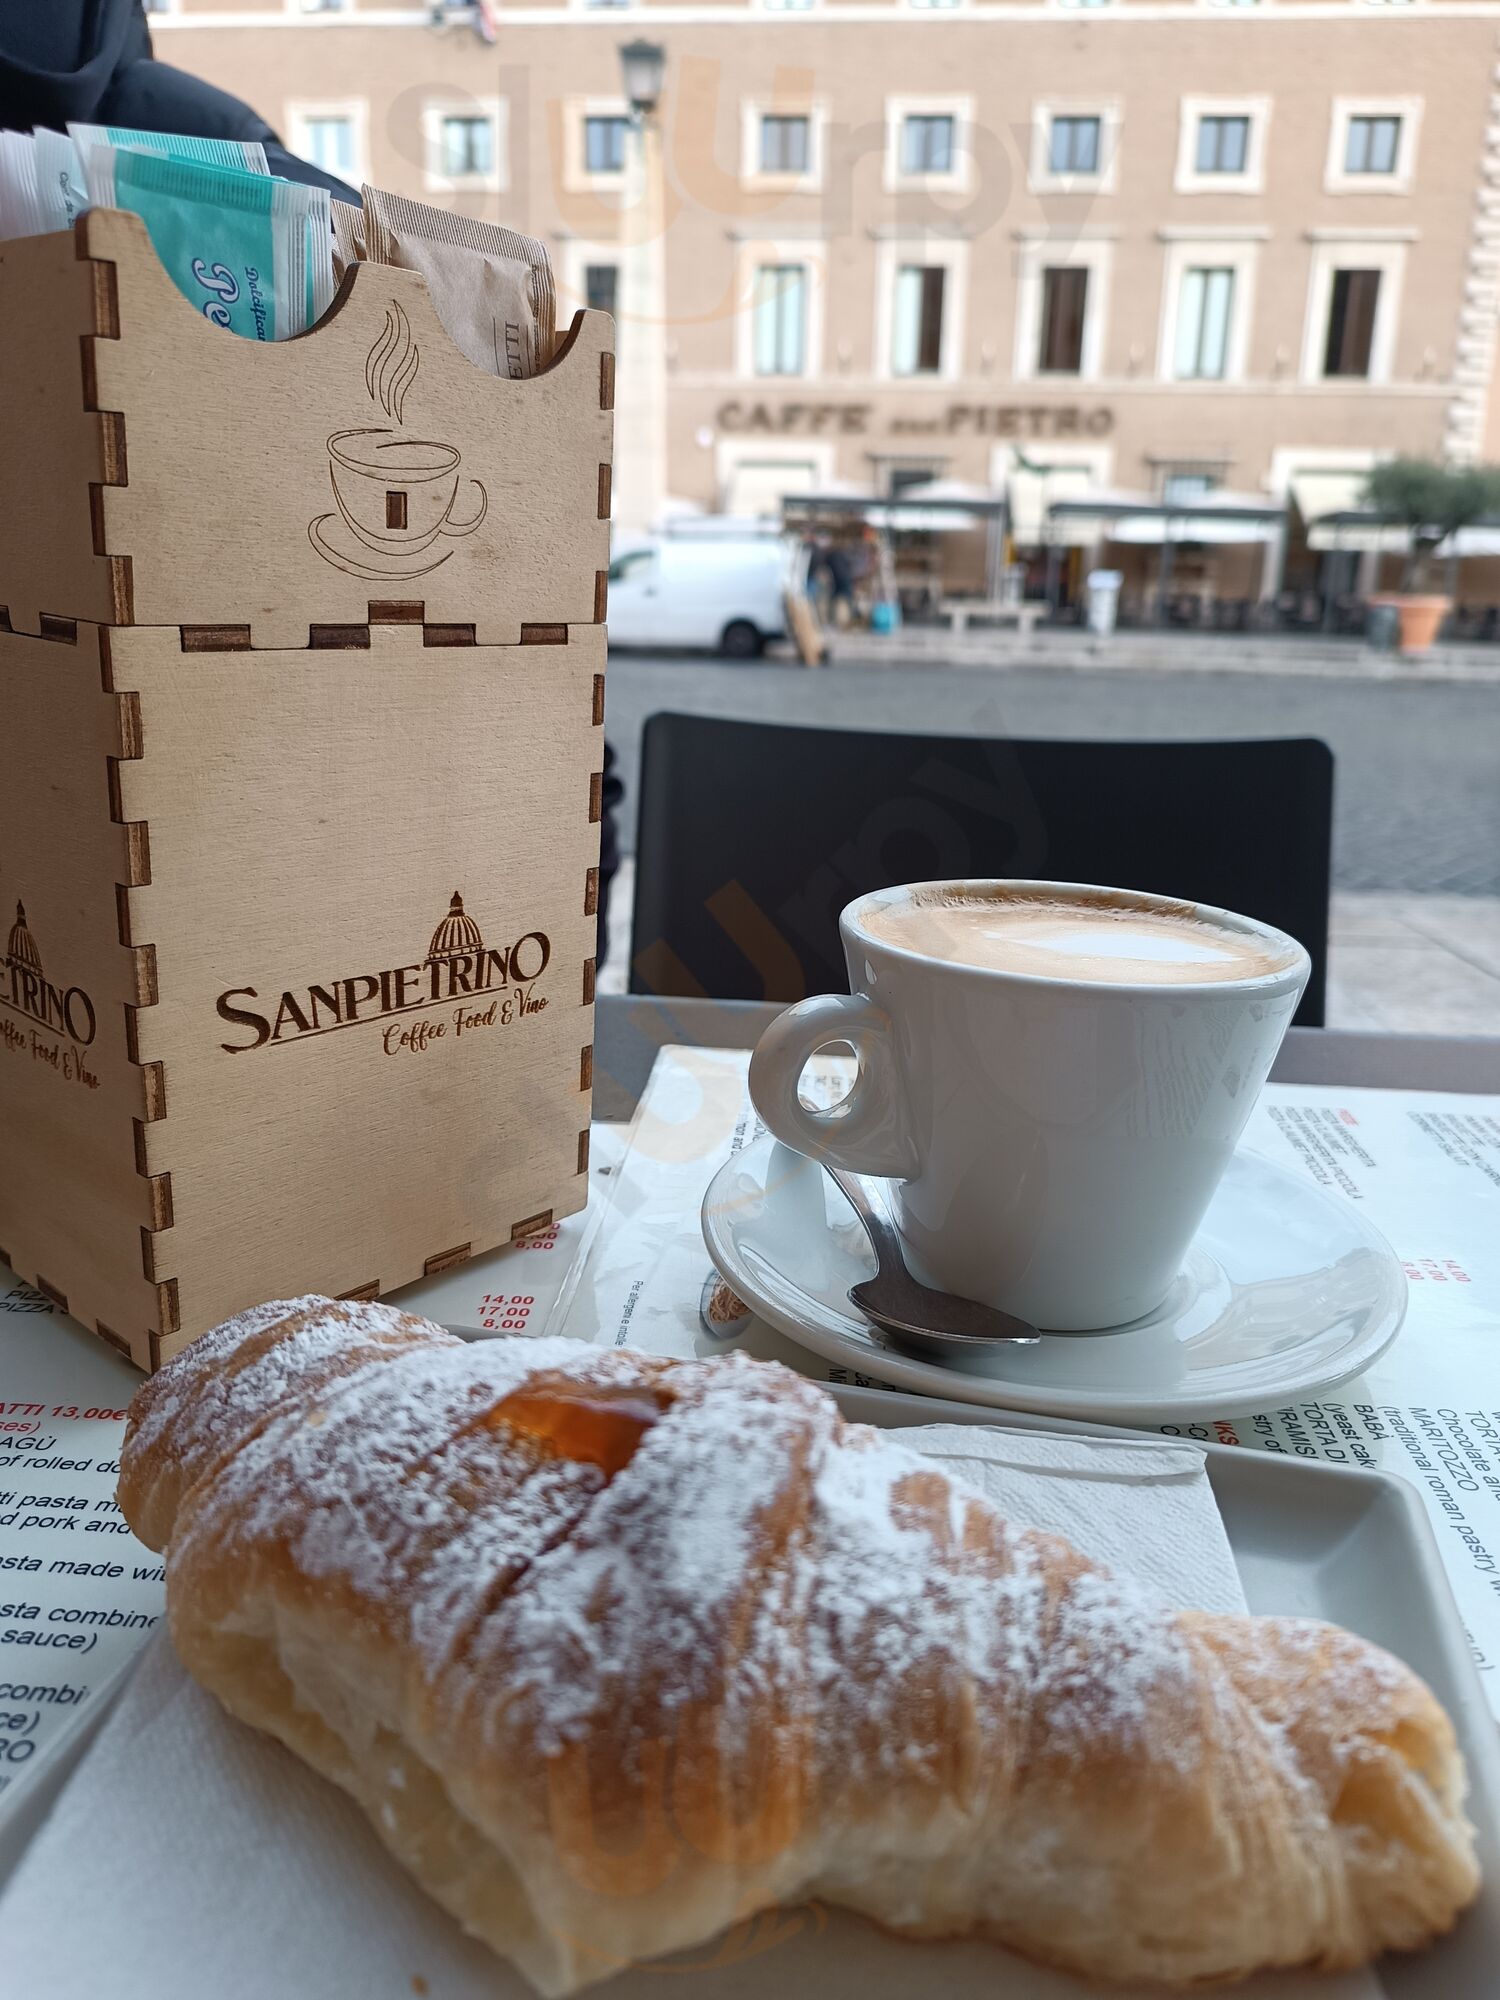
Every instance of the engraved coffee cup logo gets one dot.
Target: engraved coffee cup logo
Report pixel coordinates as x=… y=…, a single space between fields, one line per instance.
x=397 y=495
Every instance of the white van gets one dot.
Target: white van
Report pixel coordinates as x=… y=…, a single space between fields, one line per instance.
x=724 y=593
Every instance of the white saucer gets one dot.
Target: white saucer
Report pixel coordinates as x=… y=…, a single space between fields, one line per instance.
x=333 y=539
x=1286 y=1292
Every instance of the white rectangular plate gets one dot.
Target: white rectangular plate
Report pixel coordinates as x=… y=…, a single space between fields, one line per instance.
x=1314 y=1540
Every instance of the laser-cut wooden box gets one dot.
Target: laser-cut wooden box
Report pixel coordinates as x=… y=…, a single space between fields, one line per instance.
x=301 y=705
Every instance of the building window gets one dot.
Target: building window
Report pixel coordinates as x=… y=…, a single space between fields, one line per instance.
x=1204 y=304
x=927 y=143
x=1352 y=303
x=785 y=144
x=1073 y=146
x=1223 y=145
x=1065 y=290
x=917 y=329
x=779 y=306
x=1185 y=489
x=601 y=287
x=328 y=141
x=1372 y=145
x=604 y=144
x=467 y=146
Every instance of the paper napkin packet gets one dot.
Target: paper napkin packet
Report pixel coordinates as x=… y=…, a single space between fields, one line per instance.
x=259 y=255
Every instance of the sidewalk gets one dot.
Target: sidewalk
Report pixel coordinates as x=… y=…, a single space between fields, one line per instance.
x=1402 y=964
x=1172 y=651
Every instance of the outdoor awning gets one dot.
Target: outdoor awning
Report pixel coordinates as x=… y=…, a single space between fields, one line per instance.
x=1359 y=530
x=1143 y=518
x=1482 y=539
x=944 y=506
x=934 y=506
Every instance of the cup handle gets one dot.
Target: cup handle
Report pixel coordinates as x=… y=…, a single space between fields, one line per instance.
x=452 y=527
x=867 y=1132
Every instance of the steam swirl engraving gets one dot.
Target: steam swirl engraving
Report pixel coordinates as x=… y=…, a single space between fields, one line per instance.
x=392 y=363
x=396 y=493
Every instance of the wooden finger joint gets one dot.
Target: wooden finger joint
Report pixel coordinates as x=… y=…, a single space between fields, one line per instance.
x=214 y=638
x=168 y=1309
x=596 y=713
x=596 y=797
x=160 y=1187
x=583 y=1150
x=586 y=1067
x=444 y=1260
x=340 y=638
x=531 y=1225
x=590 y=966
x=51 y=1291
x=363 y=1292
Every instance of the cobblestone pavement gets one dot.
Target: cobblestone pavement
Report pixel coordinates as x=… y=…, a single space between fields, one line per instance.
x=1417 y=799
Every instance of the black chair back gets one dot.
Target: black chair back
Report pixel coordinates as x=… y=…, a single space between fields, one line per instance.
x=753 y=836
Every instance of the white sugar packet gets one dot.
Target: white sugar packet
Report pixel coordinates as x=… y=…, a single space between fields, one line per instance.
x=200 y=1857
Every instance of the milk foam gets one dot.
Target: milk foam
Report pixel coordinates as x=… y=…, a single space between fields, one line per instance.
x=1120 y=940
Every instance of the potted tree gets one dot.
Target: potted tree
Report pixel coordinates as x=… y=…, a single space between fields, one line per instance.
x=1431 y=501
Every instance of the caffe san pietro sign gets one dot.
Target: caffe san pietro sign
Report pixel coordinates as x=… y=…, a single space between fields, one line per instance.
x=997 y=420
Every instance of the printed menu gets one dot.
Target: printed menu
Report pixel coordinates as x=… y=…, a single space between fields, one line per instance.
x=1423 y=1166
x=79 y=1595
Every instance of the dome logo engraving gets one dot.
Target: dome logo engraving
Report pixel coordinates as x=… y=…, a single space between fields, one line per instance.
x=57 y=1022
x=476 y=984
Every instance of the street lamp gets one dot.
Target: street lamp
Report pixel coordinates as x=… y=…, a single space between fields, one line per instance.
x=641 y=367
x=643 y=66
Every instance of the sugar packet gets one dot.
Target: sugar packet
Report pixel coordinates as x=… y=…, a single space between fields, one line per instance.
x=254 y=253
x=62 y=189
x=41 y=184
x=249 y=155
x=18 y=205
x=492 y=288
x=348 y=236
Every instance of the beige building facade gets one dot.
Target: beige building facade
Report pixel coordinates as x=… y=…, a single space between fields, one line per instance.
x=1156 y=247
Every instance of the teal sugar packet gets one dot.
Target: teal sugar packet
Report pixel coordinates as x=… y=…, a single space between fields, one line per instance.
x=251 y=252
x=249 y=155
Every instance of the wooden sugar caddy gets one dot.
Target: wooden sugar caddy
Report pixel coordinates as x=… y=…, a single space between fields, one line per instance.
x=301 y=706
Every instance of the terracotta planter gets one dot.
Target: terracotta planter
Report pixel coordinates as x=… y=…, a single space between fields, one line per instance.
x=1418 y=618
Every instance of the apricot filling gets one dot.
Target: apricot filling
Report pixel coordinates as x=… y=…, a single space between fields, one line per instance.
x=592 y=1423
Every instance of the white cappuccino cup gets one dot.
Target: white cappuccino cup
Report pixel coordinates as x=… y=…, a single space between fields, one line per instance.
x=1054 y=1075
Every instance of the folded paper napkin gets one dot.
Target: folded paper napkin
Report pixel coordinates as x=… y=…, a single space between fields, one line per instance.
x=194 y=1856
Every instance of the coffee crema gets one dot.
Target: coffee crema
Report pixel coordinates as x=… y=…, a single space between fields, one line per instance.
x=1113 y=940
